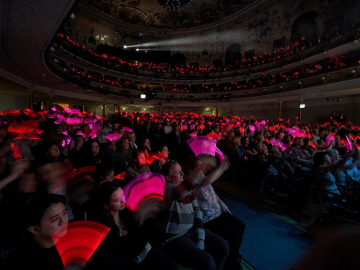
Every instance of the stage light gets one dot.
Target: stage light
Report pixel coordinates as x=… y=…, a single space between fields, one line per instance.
x=125 y=46
x=142 y=96
x=137 y=49
x=302 y=106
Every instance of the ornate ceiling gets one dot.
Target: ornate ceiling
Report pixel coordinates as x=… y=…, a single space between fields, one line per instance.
x=146 y=13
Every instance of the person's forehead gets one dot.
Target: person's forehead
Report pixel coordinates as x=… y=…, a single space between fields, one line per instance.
x=176 y=167
x=54 y=209
x=117 y=193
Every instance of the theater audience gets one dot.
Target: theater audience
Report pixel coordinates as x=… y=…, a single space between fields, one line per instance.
x=196 y=228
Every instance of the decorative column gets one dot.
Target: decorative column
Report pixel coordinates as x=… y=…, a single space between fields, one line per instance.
x=103 y=108
x=300 y=111
x=279 y=109
x=31 y=98
x=51 y=100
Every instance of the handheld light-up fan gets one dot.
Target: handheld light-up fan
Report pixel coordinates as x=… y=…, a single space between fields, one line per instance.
x=328 y=139
x=202 y=145
x=143 y=187
x=80 y=242
x=94 y=130
x=90 y=120
x=127 y=129
x=282 y=145
x=113 y=136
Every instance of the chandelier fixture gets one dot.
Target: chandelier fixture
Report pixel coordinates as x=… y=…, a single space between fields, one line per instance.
x=173 y=5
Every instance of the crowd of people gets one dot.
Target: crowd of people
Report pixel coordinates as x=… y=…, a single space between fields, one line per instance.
x=328 y=64
x=191 y=70
x=65 y=165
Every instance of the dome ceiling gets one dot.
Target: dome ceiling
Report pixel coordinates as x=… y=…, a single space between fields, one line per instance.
x=147 y=13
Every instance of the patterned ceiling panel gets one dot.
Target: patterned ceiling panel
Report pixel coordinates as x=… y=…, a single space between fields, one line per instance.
x=146 y=13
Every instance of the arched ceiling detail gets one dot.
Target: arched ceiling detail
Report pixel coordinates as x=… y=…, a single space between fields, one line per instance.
x=146 y=13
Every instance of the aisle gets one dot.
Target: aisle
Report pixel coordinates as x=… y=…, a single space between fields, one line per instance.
x=269 y=242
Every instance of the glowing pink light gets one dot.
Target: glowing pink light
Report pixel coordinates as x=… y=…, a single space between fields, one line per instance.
x=113 y=136
x=282 y=145
x=90 y=120
x=251 y=127
x=220 y=154
x=94 y=130
x=81 y=240
x=66 y=141
x=328 y=139
x=143 y=187
x=65 y=133
x=127 y=129
x=202 y=145
x=192 y=134
x=348 y=145
x=82 y=134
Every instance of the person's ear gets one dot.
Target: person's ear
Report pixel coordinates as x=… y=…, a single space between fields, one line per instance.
x=106 y=206
x=34 y=229
x=168 y=178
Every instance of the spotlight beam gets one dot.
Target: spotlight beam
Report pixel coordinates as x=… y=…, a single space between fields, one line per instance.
x=235 y=36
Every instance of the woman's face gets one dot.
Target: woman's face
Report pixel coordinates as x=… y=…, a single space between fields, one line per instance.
x=117 y=201
x=53 y=151
x=95 y=148
x=141 y=158
x=247 y=141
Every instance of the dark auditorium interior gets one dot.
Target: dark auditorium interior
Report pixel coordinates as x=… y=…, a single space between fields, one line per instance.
x=180 y=134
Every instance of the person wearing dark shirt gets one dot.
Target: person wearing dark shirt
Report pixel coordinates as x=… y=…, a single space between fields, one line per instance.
x=46 y=220
x=123 y=247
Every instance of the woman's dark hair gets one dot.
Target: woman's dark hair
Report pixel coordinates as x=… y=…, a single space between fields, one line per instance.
x=104 y=193
x=243 y=139
x=319 y=158
x=87 y=145
x=35 y=209
x=102 y=170
x=120 y=141
x=103 y=196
